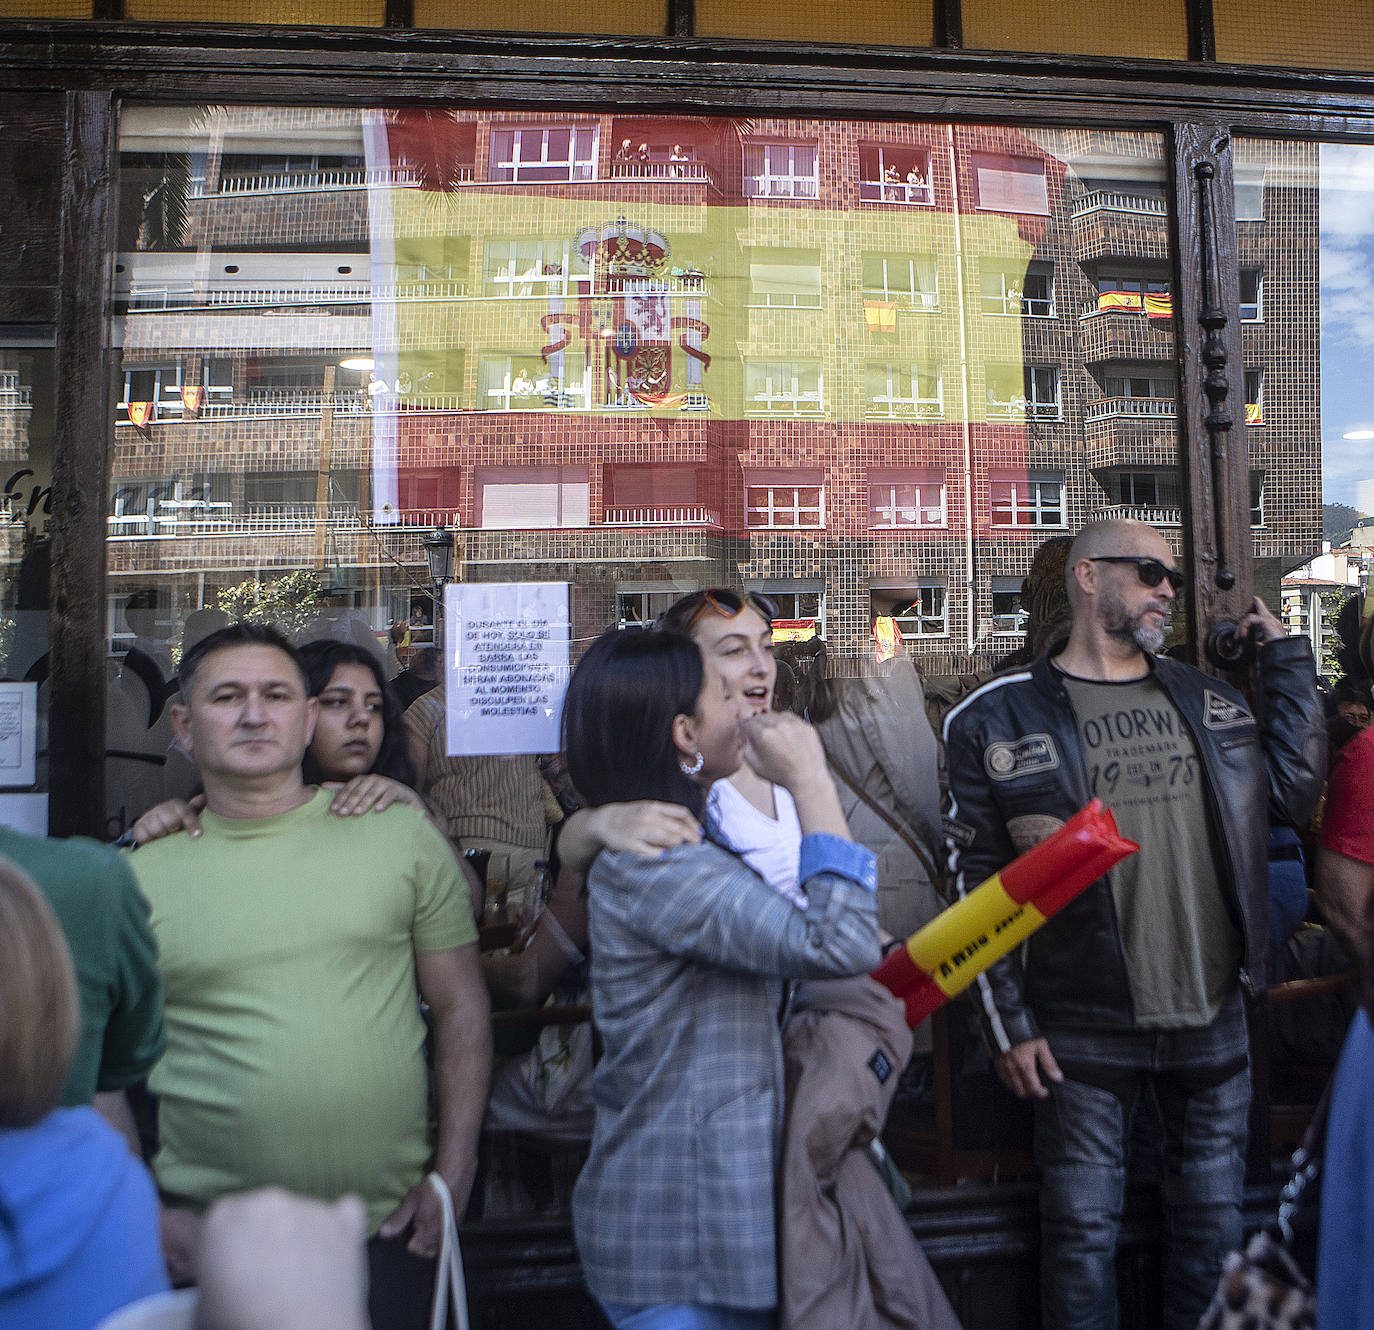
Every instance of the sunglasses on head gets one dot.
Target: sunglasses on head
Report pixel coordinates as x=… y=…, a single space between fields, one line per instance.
x=728 y=603
x=1150 y=571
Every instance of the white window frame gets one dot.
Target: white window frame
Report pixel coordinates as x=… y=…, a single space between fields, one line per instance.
x=892 y=403
x=1258 y=396
x=518 y=162
x=652 y=603
x=1128 y=385
x=1011 y=585
x=1255 y=306
x=1007 y=297
x=1032 y=497
x=1039 y=406
x=807 y=299
x=908 y=503
x=929 y=622
x=1028 y=402
x=770 y=171
x=561 y=395
x=502 y=281
x=899 y=281
x=770 y=501
x=997 y=163
x=883 y=190
x=782 y=393
x=167 y=381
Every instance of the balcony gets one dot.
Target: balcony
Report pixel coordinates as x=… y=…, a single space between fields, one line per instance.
x=1114 y=225
x=1018 y=409
x=145 y=299
x=175 y=518
x=667 y=173
x=301 y=402
x=1151 y=516
x=896 y=191
x=1114 y=201
x=321 y=182
x=661 y=517
x=1131 y=408
x=1124 y=334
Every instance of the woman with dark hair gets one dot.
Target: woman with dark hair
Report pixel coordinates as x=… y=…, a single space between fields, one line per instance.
x=359 y=730
x=674 y=1211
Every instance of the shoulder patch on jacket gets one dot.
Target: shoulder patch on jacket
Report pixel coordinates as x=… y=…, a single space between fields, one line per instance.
x=880 y=1065
x=1012 y=758
x=1220 y=713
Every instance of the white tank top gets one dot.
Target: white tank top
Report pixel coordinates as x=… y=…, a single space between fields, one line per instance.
x=770 y=846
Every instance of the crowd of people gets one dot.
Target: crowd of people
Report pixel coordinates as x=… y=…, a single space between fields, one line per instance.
x=301 y=961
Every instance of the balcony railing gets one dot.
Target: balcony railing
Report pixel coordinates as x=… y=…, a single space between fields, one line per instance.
x=14 y=396
x=895 y=191
x=1152 y=516
x=1111 y=201
x=150 y=298
x=681 y=516
x=904 y=408
x=321 y=182
x=687 y=172
x=192 y=517
x=1020 y=409
x=304 y=402
x=1137 y=408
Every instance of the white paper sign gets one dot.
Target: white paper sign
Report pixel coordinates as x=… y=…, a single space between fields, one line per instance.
x=18 y=733
x=25 y=812
x=506 y=665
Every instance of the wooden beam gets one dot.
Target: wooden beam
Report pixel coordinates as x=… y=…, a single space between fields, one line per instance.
x=81 y=441
x=1213 y=454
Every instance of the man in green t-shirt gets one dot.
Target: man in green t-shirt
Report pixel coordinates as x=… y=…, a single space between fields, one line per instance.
x=291 y=944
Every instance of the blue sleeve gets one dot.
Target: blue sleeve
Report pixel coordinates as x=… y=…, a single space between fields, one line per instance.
x=823 y=853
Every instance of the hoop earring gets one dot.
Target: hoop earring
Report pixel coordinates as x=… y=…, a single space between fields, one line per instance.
x=695 y=768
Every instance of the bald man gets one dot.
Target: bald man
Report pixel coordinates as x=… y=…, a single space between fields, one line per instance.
x=1132 y=994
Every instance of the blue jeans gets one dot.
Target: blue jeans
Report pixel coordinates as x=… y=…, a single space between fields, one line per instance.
x=1197 y=1084
x=685 y=1316
x=1345 y=1258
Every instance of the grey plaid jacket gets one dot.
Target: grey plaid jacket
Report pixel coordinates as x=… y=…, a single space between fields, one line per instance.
x=676 y=1202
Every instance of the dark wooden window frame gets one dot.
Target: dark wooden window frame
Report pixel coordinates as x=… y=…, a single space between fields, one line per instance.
x=1197 y=105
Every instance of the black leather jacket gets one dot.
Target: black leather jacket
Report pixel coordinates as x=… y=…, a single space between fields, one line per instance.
x=1016 y=770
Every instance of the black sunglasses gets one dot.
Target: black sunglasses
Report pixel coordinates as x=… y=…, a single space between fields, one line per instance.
x=1150 y=571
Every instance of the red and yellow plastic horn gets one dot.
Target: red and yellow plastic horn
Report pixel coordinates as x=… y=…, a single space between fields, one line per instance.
x=943 y=958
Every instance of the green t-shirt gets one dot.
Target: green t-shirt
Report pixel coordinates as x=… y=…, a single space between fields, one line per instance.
x=105 y=922
x=294 y=1037
x=1182 y=947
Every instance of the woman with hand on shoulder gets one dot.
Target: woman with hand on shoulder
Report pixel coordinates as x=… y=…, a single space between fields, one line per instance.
x=674 y=1211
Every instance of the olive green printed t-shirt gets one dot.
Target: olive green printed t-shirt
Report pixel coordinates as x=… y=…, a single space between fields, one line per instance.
x=294 y=1037
x=1183 y=949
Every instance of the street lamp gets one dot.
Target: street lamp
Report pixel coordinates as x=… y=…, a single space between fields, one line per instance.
x=439 y=555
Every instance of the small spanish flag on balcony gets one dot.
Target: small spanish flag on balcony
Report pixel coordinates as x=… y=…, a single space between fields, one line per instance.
x=1254 y=413
x=886 y=636
x=191 y=399
x=1123 y=300
x=881 y=315
x=141 y=415
x=659 y=401
x=1159 y=306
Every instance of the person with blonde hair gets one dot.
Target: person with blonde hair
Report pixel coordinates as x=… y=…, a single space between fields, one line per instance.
x=78 y=1213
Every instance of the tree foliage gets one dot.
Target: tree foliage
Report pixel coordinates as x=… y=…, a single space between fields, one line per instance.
x=288 y=603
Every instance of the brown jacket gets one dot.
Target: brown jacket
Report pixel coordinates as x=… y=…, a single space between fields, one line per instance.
x=848 y=1258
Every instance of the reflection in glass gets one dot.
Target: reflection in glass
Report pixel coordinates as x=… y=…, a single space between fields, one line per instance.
x=867 y=366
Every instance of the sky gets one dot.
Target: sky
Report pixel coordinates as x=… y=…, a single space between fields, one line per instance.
x=1347 y=316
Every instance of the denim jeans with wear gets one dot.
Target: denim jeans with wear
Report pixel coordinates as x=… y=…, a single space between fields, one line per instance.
x=1197 y=1084
x=686 y=1316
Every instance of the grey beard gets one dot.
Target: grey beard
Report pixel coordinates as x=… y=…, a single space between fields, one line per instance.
x=1126 y=628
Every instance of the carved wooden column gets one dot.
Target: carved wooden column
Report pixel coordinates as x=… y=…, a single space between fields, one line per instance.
x=1213 y=456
